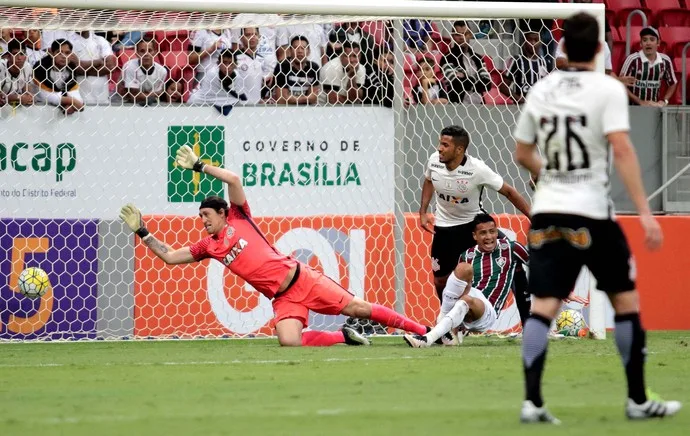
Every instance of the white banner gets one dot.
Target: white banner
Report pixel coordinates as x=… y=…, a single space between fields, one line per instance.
x=293 y=161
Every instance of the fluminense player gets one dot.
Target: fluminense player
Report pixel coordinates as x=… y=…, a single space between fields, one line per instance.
x=578 y=120
x=295 y=288
x=485 y=273
x=459 y=180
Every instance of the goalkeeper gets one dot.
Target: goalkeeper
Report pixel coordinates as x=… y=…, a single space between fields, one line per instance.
x=295 y=288
x=484 y=274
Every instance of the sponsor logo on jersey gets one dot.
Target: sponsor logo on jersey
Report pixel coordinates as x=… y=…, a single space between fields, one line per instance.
x=501 y=261
x=503 y=245
x=465 y=173
x=452 y=199
x=463 y=185
x=470 y=256
x=234 y=252
x=230 y=231
x=435 y=165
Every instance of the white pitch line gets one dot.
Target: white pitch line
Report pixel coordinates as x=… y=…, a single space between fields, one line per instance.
x=216 y=362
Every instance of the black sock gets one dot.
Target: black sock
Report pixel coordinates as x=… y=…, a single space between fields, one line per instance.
x=523 y=299
x=534 y=342
x=631 y=340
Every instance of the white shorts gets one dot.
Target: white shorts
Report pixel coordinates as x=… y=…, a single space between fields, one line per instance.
x=487 y=320
x=55 y=98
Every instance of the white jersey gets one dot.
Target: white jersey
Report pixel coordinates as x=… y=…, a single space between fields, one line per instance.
x=271 y=37
x=94 y=88
x=459 y=192
x=15 y=85
x=568 y=114
x=212 y=90
x=136 y=77
x=203 y=40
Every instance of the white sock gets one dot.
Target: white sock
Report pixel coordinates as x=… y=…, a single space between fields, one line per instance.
x=451 y=294
x=452 y=319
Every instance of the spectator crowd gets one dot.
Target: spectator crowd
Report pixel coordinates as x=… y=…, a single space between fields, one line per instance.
x=306 y=64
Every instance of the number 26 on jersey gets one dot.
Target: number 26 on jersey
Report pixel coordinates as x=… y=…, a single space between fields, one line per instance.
x=560 y=139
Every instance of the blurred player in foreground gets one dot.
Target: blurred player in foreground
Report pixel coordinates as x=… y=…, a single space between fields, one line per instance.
x=578 y=119
x=485 y=273
x=295 y=288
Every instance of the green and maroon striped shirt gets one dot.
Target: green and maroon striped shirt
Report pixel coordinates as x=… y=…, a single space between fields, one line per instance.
x=493 y=272
x=649 y=75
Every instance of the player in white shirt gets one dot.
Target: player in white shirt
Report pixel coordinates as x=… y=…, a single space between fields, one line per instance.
x=96 y=62
x=458 y=181
x=578 y=120
x=143 y=79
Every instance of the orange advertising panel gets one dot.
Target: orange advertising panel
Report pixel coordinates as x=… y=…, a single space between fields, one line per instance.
x=662 y=276
x=205 y=299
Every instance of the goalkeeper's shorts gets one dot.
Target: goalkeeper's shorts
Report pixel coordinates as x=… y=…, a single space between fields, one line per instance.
x=311 y=291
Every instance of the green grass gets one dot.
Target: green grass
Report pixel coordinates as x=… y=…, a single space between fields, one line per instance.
x=255 y=387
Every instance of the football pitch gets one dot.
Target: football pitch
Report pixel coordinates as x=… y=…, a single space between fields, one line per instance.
x=224 y=387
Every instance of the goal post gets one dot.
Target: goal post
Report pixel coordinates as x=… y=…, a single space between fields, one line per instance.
x=334 y=183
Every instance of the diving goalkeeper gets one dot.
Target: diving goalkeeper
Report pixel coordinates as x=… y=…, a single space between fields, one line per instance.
x=294 y=287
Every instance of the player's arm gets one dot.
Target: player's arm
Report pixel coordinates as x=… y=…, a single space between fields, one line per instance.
x=427 y=192
x=628 y=168
x=131 y=215
x=520 y=253
x=187 y=159
x=509 y=192
x=616 y=127
x=526 y=156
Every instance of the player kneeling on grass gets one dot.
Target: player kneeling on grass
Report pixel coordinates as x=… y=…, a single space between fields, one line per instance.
x=478 y=287
x=295 y=288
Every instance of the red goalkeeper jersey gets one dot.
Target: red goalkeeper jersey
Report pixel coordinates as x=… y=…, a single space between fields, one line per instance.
x=244 y=249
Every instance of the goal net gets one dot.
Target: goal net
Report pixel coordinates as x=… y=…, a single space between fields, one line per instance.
x=329 y=118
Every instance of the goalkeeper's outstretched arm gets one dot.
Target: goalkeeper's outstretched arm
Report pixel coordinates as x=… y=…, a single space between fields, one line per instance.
x=131 y=215
x=186 y=158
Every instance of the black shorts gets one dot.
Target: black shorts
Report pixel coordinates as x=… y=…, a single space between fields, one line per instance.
x=560 y=245
x=448 y=244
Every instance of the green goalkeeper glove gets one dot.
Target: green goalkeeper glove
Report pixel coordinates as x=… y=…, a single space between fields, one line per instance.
x=132 y=217
x=186 y=158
